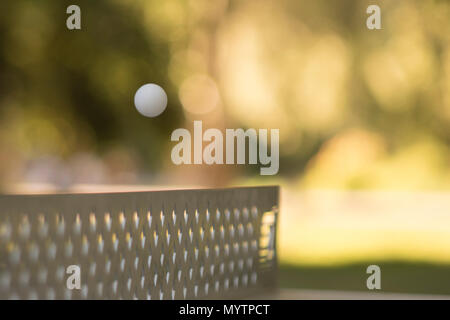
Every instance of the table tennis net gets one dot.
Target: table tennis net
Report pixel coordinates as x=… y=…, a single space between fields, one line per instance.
x=182 y=244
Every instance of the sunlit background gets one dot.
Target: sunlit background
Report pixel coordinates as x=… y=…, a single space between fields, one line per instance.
x=364 y=117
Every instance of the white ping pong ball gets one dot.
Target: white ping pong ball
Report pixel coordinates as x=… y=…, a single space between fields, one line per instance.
x=150 y=100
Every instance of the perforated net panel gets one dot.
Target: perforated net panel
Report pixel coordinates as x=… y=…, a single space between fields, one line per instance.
x=146 y=245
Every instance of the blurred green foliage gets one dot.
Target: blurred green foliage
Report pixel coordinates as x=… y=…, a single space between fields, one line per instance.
x=63 y=92
x=357 y=108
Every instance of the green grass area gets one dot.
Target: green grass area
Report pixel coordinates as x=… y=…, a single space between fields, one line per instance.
x=396 y=276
